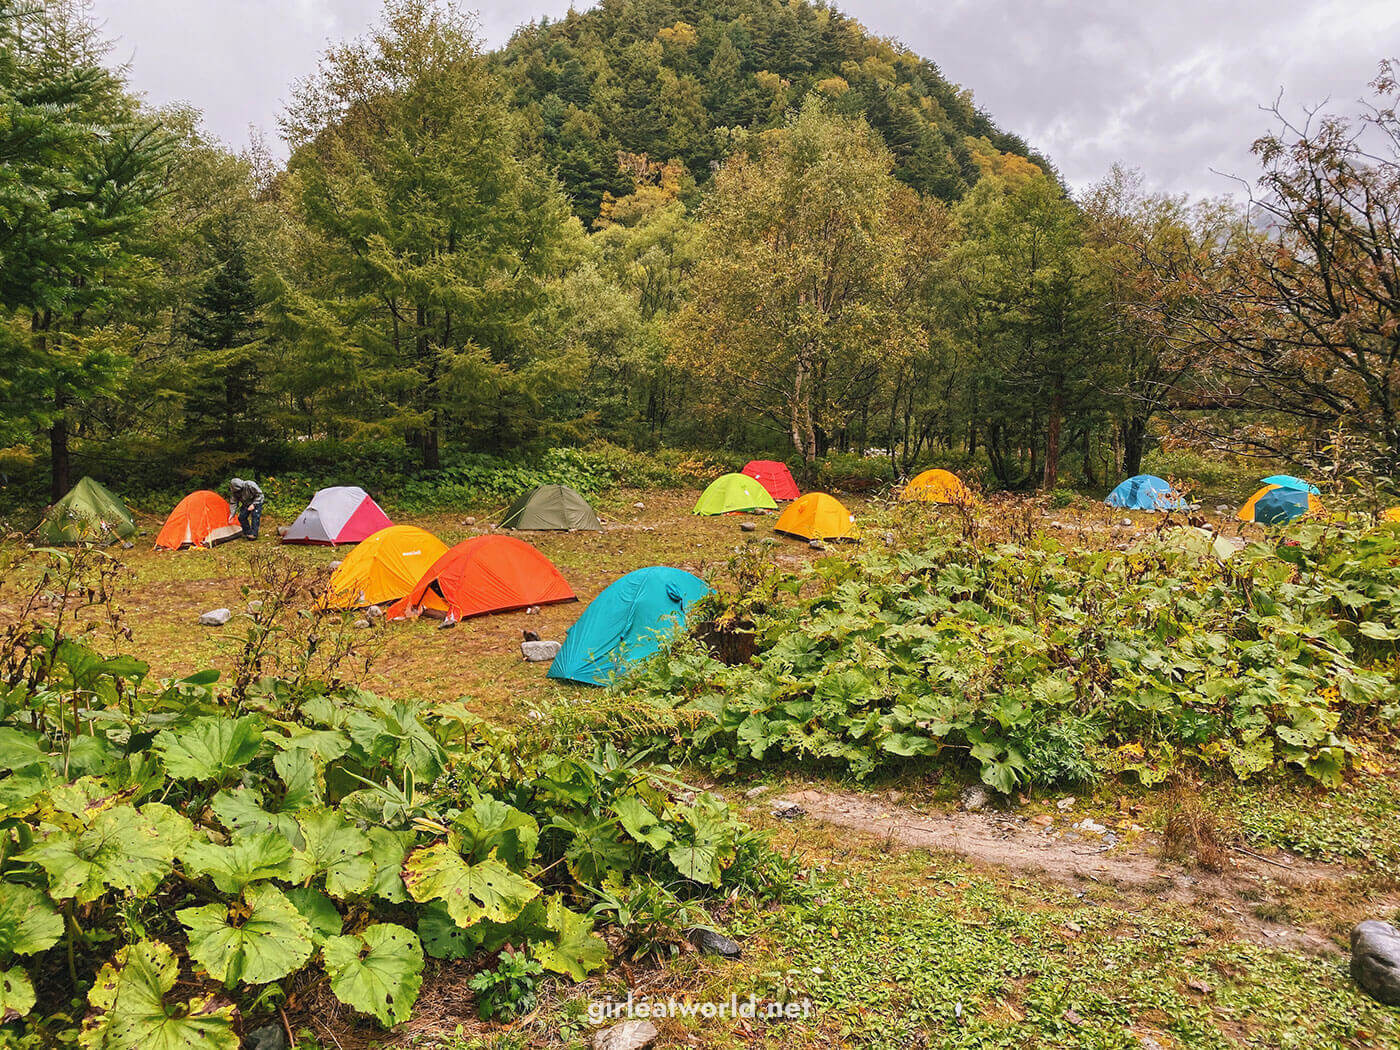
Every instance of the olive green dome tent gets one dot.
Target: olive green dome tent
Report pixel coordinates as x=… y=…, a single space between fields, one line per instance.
x=88 y=514
x=734 y=492
x=550 y=507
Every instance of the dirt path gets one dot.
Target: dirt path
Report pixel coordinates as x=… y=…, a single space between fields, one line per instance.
x=1280 y=899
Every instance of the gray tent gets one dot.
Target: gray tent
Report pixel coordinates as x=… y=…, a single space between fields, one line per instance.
x=550 y=507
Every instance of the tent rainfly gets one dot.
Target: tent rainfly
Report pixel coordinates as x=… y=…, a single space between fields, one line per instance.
x=342 y=514
x=551 y=507
x=485 y=574
x=88 y=513
x=201 y=519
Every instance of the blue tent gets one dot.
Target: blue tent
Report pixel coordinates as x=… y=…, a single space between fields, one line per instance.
x=626 y=624
x=1288 y=481
x=1145 y=492
x=1280 y=506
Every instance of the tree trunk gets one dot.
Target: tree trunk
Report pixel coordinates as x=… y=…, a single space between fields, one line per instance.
x=1052 y=435
x=1134 y=435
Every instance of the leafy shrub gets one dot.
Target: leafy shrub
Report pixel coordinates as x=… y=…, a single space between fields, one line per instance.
x=182 y=857
x=1041 y=666
x=509 y=990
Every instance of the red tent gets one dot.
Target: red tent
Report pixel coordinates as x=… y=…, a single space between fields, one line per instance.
x=485 y=574
x=773 y=476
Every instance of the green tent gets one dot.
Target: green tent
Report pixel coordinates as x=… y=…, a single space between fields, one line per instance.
x=733 y=492
x=550 y=507
x=87 y=514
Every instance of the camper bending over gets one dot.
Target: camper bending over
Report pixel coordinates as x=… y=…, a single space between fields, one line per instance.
x=246 y=503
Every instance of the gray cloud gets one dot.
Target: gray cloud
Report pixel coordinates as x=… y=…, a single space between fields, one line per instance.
x=1173 y=88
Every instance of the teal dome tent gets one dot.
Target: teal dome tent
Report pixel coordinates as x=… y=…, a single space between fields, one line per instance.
x=626 y=624
x=1288 y=481
x=1145 y=492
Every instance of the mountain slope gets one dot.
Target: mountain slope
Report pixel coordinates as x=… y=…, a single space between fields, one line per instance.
x=669 y=77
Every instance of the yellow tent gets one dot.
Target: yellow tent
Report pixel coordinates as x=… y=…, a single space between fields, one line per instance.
x=383 y=568
x=937 y=486
x=1391 y=514
x=817 y=516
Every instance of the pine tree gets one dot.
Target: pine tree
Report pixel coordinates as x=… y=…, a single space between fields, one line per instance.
x=225 y=334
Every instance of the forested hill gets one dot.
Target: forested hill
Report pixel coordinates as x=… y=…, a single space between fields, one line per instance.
x=672 y=78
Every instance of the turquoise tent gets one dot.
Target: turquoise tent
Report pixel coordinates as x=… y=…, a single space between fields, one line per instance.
x=626 y=624
x=1145 y=492
x=1282 y=505
x=1288 y=481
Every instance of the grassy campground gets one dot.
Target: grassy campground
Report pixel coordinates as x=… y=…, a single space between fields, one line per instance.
x=1106 y=876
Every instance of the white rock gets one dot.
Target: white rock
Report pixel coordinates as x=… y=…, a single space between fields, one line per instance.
x=361 y=625
x=539 y=651
x=255 y=606
x=629 y=1035
x=1127 y=521
x=469 y=521
x=333 y=566
x=754 y=792
x=639 y=506
x=1090 y=826
x=374 y=612
x=215 y=618
x=1065 y=803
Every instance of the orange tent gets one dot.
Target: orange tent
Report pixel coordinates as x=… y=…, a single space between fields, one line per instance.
x=485 y=574
x=937 y=486
x=200 y=519
x=817 y=516
x=383 y=568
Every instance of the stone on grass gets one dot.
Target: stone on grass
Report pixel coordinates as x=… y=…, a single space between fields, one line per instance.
x=537 y=652
x=754 y=792
x=639 y=506
x=362 y=625
x=255 y=606
x=817 y=545
x=215 y=618
x=786 y=809
x=975 y=798
x=127 y=545
x=713 y=943
x=469 y=521
x=747 y=526
x=374 y=612
x=333 y=566
x=268 y=1037
x=629 y=1035
x=1375 y=960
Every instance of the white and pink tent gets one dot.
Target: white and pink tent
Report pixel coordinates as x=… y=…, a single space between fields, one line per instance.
x=344 y=514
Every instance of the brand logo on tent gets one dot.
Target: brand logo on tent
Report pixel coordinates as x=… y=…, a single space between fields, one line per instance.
x=410 y=554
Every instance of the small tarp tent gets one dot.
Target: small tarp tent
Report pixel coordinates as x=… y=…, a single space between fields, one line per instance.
x=626 y=624
x=1145 y=492
x=1288 y=481
x=342 y=514
x=733 y=492
x=817 y=516
x=937 y=486
x=89 y=513
x=1278 y=506
x=201 y=519
x=774 y=477
x=383 y=568
x=551 y=507
x=485 y=574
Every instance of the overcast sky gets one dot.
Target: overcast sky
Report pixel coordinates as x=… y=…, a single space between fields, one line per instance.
x=1173 y=88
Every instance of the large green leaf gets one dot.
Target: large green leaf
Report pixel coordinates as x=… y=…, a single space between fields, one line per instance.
x=122 y=848
x=336 y=848
x=318 y=910
x=491 y=826
x=387 y=850
x=241 y=810
x=472 y=892
x=576 y=951
x=210 y=748
x=250 y=857
x=21 y=750
x=272 y=940
x=128 y=1011
x=300 y=771
x=28 y=922
x=641 y=823
x=377 y=972
x=16 y=994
